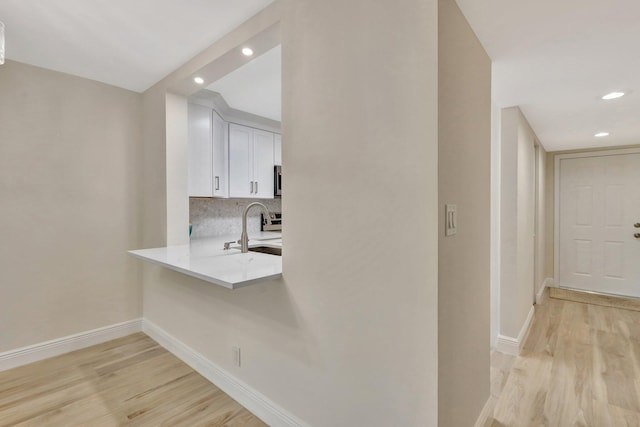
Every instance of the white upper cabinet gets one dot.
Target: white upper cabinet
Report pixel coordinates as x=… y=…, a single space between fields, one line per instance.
x=240 y=161
x=200 y=152
x=263 y=164
x=220 y=142
x=207 y=153
x=277 y=149
x=251 y=161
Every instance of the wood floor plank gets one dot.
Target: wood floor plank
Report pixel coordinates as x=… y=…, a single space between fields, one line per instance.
x=131 y=381
x=524 y=395
x=580 y=366
x=594 y=298
x=617 y=371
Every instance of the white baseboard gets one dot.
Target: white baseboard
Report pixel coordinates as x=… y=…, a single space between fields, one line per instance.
x=254 y=401
x=510 y=345
x=547 y=283
x=507 y=345
x=248 y=397
x=487 y=412
x=33 y=353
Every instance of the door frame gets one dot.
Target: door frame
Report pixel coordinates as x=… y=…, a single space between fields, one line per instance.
x=556 y=202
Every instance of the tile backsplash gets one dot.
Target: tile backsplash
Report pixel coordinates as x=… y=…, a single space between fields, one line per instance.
x=221 y=217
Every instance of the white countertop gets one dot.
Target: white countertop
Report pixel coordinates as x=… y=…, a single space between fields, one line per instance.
x=207 y=259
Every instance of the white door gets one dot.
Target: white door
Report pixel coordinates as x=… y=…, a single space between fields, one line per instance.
x=599 y=203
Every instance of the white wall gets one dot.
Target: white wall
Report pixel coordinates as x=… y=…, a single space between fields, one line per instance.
x=517 y=221
x=69 y=185
x=349 y=337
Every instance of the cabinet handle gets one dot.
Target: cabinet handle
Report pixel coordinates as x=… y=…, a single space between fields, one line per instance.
x=251 y=191
x=256 y=187
x=217 y=183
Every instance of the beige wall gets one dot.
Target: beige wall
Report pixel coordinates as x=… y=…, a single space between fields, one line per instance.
x=177 y=204
x=549 y=204
x=495 y=221
x=154 y=194
x=349 y=337
x=464 y=163
x=69 y=186
x=525 y=210
x=540 y=267
x=517 y=221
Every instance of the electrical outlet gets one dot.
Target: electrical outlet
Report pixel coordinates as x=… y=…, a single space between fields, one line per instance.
x=236 y=356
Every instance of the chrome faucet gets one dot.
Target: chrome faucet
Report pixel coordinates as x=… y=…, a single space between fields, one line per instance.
x=244 y=238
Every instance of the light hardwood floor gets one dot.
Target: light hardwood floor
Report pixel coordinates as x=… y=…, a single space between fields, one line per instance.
x=616 y=301
x=131 y=381
x=580 y=366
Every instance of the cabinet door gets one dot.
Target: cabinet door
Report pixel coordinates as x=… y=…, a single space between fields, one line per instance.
x=240 y=161
x=200 y=154
x=220 y=144
x=277 y=149
x=263 y=164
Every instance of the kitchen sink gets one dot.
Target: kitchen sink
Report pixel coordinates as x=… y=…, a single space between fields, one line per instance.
x=266 y=250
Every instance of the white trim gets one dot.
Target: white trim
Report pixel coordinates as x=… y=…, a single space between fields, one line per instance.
x=602 y=153
x=486 y=413
x=254 y=401
x=495 y=242
x=556 y=220
x=556 y=178
x=44 y=350
x=507 y=345
x=547 y=283
x=512 y=346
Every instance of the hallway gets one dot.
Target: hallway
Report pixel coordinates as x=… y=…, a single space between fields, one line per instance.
x=580 y=366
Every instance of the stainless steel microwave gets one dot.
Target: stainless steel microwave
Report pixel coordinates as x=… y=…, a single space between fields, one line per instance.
x=277 y=181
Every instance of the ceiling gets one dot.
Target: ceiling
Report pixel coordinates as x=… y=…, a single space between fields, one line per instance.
x=255 y=87
x=130 y=44
x=555 y=59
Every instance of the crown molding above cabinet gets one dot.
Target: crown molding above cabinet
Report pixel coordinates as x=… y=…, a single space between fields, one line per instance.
x=216 y=101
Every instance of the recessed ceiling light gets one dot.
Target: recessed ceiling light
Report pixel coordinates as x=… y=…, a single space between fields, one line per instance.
x=613 y=95
x=601 y=134
x=247 y=51
x=198 y=80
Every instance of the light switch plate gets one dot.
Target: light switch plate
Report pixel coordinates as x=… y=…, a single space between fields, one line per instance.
x=236 y=356
x=451 y=220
